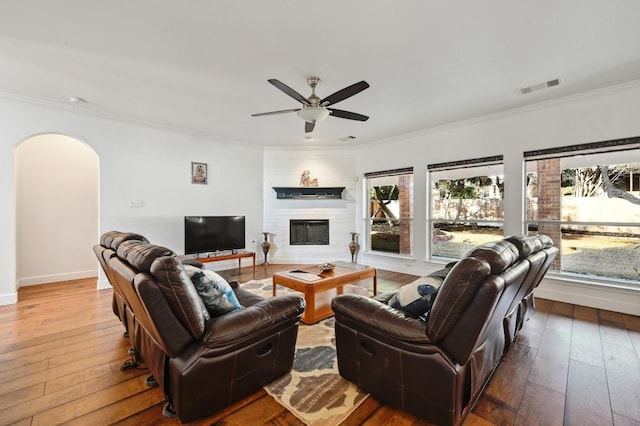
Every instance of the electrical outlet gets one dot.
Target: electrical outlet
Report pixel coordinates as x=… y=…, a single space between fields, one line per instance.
x=136 y=203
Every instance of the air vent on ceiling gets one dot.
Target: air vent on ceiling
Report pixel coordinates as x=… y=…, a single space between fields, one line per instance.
x=540 y=86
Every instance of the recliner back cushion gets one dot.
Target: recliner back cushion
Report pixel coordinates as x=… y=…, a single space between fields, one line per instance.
x=113 y=239
x=107 y=237
x=499 y=254
x=181 y=294
x=525 y=244
x=126 y=236
x=165 y=327
x=455 y=294
x=141 y=254
x=545 y=240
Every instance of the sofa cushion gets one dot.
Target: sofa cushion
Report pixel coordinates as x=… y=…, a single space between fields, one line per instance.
x=545 y=240
x=499 y=254
x=113 y=239
x=525 y=244
x=456 y=292
x=215 y=291
x=141 y=254
x=181 y=294
x=107 y=238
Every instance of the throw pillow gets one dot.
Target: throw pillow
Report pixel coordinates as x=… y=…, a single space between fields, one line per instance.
x=415 y=299
x=215 y=291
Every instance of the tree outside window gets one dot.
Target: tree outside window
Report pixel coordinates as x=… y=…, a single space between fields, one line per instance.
x=589 y=204
x=390 y=211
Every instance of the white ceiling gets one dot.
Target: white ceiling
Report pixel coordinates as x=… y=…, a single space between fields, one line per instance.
x=202 y=66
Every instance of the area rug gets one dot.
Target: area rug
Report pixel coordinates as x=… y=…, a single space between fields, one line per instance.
x=313 y=391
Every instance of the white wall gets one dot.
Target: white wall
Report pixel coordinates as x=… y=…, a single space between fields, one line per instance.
x=598 y=116
x=140 y=163
x=57 y=209
x=283 y=167
x=137 y=163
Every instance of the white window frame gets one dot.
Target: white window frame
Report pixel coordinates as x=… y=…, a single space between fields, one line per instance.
x=368 y=220
x=583 y=154
x=456 y=167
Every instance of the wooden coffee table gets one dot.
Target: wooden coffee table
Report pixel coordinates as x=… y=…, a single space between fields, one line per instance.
x=343 y=273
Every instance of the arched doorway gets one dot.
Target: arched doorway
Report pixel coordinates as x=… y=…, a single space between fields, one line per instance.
x=57 y=209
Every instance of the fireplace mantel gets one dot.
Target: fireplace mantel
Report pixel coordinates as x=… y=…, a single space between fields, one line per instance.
x=308 y=192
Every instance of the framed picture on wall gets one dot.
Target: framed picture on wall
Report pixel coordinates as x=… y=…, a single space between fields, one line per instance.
x=199 y=173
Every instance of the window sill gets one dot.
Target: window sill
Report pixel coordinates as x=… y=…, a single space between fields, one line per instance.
x=581 y=280
x=616 y=296
x=389 y=255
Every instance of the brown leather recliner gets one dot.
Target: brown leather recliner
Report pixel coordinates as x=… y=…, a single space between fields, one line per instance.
x=434 y=368
x=203 y=364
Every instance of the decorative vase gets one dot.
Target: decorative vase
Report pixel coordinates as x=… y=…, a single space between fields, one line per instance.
x=266 y=245
x=353 y=246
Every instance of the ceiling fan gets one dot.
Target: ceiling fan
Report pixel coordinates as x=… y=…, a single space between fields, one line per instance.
x=315 y=109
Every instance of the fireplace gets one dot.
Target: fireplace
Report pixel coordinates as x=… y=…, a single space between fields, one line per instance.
x=309 y=232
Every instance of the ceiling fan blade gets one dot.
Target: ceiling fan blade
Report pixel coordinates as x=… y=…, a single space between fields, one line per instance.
x=345 y=93
x=347 y=114
x=289 y=91
x=308 y=126
x=284 y=111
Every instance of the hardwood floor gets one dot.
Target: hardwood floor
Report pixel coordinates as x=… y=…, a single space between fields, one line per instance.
x=61 y=349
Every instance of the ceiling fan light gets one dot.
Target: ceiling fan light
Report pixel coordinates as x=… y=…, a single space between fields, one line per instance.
x=313 y=114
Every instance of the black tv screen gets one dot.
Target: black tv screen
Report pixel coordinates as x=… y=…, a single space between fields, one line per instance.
x=204 y=234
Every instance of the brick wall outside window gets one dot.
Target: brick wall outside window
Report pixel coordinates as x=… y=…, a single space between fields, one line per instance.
x=549 y=202
x=406 y=212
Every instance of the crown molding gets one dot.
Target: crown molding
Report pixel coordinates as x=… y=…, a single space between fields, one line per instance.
x=507 y=113
x=91 y=112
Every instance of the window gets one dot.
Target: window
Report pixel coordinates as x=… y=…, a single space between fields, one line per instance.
x=467 y=205
x=390 y=211
x=587 y=199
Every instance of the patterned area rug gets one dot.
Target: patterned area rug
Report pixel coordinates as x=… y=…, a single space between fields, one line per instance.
x=313 y=391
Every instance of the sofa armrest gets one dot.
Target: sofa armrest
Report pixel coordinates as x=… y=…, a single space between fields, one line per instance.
x=267 y=314
x=369 y=315
x=385 y=297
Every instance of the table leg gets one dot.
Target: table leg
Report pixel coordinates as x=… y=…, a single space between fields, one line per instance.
x=274 y=287
x=309 y=315
x=375 y=283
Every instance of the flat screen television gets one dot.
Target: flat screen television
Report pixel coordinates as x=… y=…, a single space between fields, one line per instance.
x=203 y=234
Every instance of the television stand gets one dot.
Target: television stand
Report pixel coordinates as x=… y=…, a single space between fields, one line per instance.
x=229 y=256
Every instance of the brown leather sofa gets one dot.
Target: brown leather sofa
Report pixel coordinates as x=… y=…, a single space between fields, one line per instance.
x=202 y=363
x=436 y=368
x=540 y=252
x=109 y=243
